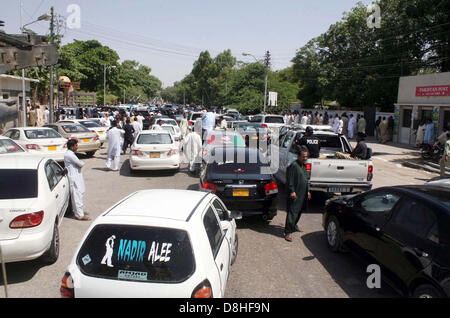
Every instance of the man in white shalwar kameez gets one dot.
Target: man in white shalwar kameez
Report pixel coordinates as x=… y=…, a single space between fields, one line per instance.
x=137 y=128
x=114 y=136
x=184 y=126
x=192 y=146
x=351 y=126
x=76 y=181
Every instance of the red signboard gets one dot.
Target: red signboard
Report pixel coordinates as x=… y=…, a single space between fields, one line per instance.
x=442 y=90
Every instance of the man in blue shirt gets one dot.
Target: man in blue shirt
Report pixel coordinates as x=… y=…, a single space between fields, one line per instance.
x=429 y=132
x=208 y=123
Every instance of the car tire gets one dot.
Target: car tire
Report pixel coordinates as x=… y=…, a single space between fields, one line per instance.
x=234 y=252
x=90 y=154
x=333 y=234
x=52 y=254
x=427 y=291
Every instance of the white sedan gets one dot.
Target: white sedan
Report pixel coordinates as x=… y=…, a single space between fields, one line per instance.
x=154 y=150
x=91 y=125
x=10 y=147
x=150 y=245
x=40 y=141
x=174 y=130
x=34 y=196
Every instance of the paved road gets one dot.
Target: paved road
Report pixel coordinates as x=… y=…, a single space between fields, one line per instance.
x=266 y=266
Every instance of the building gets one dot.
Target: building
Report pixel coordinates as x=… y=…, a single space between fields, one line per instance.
x=421 y=97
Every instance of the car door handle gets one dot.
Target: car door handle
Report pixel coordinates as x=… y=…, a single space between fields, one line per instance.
x=421 y=253
x=221 y=267
x=57 y=196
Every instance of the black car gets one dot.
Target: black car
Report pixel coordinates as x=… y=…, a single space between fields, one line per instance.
x=242 y=179
x=403 y=229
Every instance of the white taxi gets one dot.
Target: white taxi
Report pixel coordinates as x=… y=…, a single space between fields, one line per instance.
x=154 y=150
x=92 y=125
x=40 y=141
x=34 y=196
x=164 y=248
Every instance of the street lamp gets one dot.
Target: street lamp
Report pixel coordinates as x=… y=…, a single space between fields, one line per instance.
x=104 y=81
x=265 y=79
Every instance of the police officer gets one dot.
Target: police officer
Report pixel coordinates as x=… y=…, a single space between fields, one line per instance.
x=310 y=141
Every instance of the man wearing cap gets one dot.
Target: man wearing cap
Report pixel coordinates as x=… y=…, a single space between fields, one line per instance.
x=311 y=142
x=359 y=152
x=297 y=192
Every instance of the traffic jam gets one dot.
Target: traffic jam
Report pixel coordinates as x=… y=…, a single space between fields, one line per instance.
x=182 y=243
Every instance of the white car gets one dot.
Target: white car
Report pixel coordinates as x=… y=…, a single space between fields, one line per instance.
x=92 y=126
x=34 y=196
x=272 y=122
x=154 y=150
x=40 y=141
x=173 y=123
x=10 y=147
x=150 y=245
x=175 y=131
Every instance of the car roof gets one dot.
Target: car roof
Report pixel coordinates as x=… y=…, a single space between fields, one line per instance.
x=438 y=194
x=159 y=203
x=20 y=162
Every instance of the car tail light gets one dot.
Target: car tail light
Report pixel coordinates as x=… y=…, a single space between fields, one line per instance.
x=308 y=169
x=136 y=152
x=33 y=147
x=65 y=145
x=172 y=152
x=211 y=139
x=190 y=122
x=210 y=187
x=203 y=290
x=27 y=220
x=67 y=290
x=369 y=173
x=204 y=152
x=271 y=188
x=93 y=130
x=263 y=125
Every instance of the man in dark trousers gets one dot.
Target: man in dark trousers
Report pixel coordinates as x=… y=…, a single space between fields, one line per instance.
x=297 y=192
x=128 y=137
x=310 y=141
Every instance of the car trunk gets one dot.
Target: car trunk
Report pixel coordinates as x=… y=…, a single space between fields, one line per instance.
x=339 y=170
x=9 y=210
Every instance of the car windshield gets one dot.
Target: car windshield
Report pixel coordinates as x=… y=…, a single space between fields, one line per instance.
x=9 y=146
x=274 y=120
x=42 y=134
x=154 y=139
x=330 y=141
x=169 y=129
x=90 y=124
x=70 y=129
x=137 y=253
x=18 y=184
x=169 y=122
x=226 y=140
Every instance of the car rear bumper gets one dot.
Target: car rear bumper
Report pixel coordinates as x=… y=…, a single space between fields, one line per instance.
x=251 y=206
x=339 y=187
x=88 y=146
x=26 y=247
x=137 y=163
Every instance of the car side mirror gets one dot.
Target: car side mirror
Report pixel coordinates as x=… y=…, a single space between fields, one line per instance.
x=234 y=215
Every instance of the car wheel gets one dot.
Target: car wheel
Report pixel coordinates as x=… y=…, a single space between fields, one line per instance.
x=90 y=154
x=52 y=254
x=426 y=291
x=235 y=249
x=333 y=234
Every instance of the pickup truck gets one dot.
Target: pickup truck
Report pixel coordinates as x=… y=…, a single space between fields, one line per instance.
x=326 y=174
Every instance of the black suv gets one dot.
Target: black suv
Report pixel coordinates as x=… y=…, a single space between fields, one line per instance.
x=242 y=179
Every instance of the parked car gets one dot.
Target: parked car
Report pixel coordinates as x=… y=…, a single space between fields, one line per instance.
x=273 y=122
x=156 y=247
x=174 y=130
x=154 y=150
x=241 y=178
x=88 y=142
x=40 y=141
x=403 y=229
x=34 y=196
x=9 y=147
x=193 y=117
x=91 y=125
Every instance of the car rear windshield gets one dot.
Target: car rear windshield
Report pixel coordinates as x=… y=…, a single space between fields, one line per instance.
x=90 y=124
x=9 y=146
x=154 y=139
x=75 y=129
x=18 y=184
x=42 y=134
x=238 y=160
x=330 y=141
x=274 y=120
x=226 y=140
x=137 y=253
x=169 y=129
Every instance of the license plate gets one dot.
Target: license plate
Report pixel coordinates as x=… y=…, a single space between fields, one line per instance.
x=100 y=132
x=86 y=140
x=339 y=190
x=241 y=192
x=155 y=155
x=51 y=148
x=255 y=137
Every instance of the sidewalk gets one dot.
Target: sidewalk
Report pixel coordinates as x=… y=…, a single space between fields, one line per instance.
x=406 y=155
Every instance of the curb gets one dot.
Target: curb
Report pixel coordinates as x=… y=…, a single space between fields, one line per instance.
x=423 y=167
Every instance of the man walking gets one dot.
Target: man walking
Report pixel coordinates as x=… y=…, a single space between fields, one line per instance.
x=128 y=139
x=298 y=193
x=192 y=146
x=76 y=181
x=183 y=126
x=114 y=136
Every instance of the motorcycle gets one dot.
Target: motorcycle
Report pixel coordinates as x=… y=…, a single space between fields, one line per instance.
x=432 y=152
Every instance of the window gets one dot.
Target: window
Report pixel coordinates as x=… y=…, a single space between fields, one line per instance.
x=13 y=134
x=18 y=184
x=416 y=218
x=51 y=176
x=274 y=120
x=137 y=253
x=41 y=134
x=287 y=140
x=59 y=172
x=9 y=146
x=154 y=139
x=75 y=129
x=406 y=123
x=213 y=230
x=256 y=119
x=220 y=209
x=379 y=202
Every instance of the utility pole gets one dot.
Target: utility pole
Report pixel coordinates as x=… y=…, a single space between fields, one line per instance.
x=52 y=25
x=267 y=65
x=23 y=76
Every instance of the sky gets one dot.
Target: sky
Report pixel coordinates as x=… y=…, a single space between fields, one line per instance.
x=168 y=35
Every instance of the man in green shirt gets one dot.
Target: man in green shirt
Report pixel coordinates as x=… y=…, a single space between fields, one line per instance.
x=298 y=193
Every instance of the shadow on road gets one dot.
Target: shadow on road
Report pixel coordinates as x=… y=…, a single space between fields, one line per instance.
x=20 y=272
x=347 y=270
x=126 y=171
